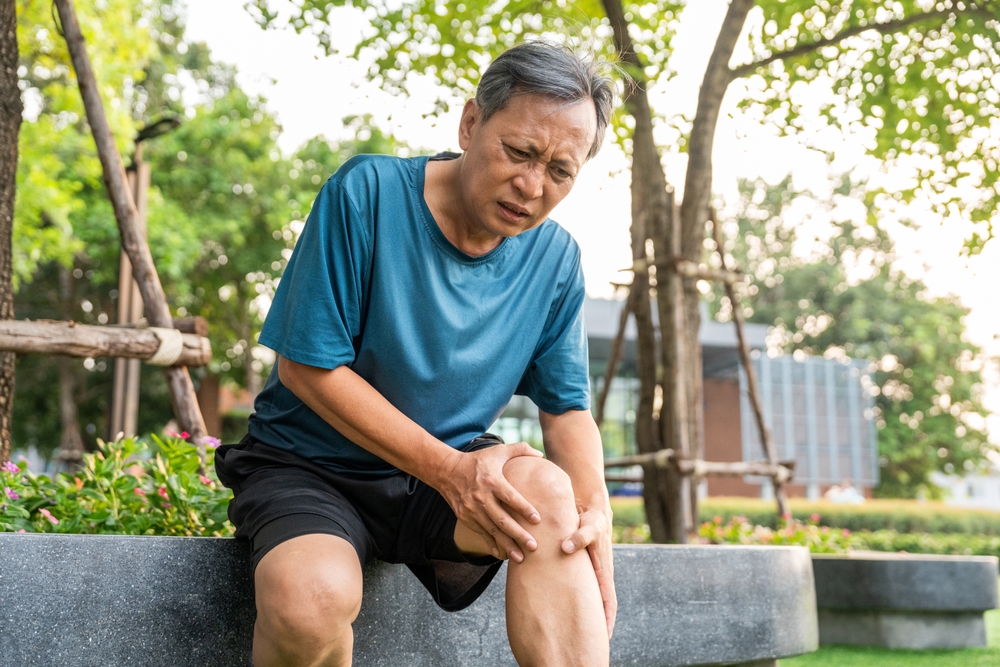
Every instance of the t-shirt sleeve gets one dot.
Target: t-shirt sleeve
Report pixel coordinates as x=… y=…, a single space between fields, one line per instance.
x=557 y=379
x=316 y=316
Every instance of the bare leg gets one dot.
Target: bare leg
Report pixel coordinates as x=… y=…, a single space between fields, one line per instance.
x=308 y=594
x=555 y=616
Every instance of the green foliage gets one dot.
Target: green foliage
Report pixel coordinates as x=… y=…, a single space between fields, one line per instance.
x=123 y=488
x=453 y=43
x=914 y=79
x=927 y=543
x=224 y=206
x=842 y=296
x=792 y=532
x=873 y=515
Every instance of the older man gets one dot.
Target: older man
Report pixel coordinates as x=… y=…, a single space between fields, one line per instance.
x=422 y=294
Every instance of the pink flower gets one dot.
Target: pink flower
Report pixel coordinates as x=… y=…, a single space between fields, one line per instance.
x=167 y=505
x=183 y=434
x=48 y=515
x=211 y=441
x=11 y=494
x=206 y=481
x=7 y=466
x=162 y=492
x=814 y=518
x=139 y=492
x=22 y=531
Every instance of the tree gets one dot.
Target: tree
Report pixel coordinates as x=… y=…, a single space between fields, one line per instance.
x=224 y=206
x=939 y=63
x=844 y=297
x=10 y=123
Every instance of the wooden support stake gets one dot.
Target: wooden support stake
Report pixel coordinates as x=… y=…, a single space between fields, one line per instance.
x=681 y=435
x=189 y=325
x=617 y=346
x=689 y=269
x=753 y=388
x=80 y=340
x=185 y=402
x=666 y=458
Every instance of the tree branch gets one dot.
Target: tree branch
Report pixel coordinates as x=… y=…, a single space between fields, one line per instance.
x=883 y=28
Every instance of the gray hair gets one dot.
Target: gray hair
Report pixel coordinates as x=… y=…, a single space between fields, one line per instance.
x=552 y=70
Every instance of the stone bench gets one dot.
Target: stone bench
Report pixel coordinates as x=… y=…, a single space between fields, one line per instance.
x=904 y=600
x=73 y=600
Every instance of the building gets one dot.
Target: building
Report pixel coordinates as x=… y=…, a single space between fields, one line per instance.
x=973 y=491
x=819 y=410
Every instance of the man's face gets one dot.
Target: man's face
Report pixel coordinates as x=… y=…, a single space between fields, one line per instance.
x=522 y=161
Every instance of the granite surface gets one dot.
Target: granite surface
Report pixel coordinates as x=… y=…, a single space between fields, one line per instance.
x=905 y=582
x=901 y=629
x=74 y=600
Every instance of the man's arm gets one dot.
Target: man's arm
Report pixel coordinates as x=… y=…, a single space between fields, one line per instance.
x=472 y=483
x=573 y=442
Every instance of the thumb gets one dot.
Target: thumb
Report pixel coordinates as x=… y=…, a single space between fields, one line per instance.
x=523 y=449
x=582 y=538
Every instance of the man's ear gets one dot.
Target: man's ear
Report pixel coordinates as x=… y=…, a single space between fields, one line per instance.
x=470 y=119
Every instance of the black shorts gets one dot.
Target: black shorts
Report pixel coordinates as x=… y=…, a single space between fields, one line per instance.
x=397 y=519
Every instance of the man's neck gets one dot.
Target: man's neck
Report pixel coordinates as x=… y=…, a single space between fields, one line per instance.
x=443 y=194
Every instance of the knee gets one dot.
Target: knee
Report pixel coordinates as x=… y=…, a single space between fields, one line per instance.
x=546 y=486
x=307 y=608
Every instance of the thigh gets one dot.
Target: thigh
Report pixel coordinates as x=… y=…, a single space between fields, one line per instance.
x=279 y=497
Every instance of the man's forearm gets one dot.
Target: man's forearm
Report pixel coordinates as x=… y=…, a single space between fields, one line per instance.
x=358 y=411
x=573 y=442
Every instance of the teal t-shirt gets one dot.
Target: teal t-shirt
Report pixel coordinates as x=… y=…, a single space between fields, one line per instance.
x=446 y=338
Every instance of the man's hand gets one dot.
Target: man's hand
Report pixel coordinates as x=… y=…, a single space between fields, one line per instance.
x=594 y=534
x=483 y=499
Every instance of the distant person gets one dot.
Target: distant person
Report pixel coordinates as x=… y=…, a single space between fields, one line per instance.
x=422 y=294
x=845 y=494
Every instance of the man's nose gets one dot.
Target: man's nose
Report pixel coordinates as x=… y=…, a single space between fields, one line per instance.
x=530 y=180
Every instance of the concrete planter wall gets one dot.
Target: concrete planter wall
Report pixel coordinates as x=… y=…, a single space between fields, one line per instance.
x=82 y=600
x=903 y=600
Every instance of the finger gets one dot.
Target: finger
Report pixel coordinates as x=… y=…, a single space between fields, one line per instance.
x=509 y=528
x=513 y=499
x=506 y=544
x=604 y=569
x=491 y=544
x=583 y=537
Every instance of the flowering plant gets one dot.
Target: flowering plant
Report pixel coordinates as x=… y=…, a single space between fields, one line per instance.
x=123 y=488
x=790 y=532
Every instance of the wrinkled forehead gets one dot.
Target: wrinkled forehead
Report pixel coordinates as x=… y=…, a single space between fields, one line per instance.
x=548 y=118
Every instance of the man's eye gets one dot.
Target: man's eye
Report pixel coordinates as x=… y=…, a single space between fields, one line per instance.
x=518 y=153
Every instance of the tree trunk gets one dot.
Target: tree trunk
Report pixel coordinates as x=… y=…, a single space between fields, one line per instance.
x=674 y=416
x=10 y=125
x=70 y=444
x=649 y=200
x=183 y=399
x=694 y=209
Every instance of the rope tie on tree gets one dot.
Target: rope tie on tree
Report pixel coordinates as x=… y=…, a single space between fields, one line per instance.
x=171 y=346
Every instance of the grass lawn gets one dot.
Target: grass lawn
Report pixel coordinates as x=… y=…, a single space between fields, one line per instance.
x=856 y=656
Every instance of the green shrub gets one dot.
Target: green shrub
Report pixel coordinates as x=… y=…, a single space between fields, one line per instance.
x=819 y=539
x=902 y=516
x=123 y=488
x=927 y=543
x=628 y=511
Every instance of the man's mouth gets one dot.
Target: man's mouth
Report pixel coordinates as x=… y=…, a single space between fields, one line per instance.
x=513 y=210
